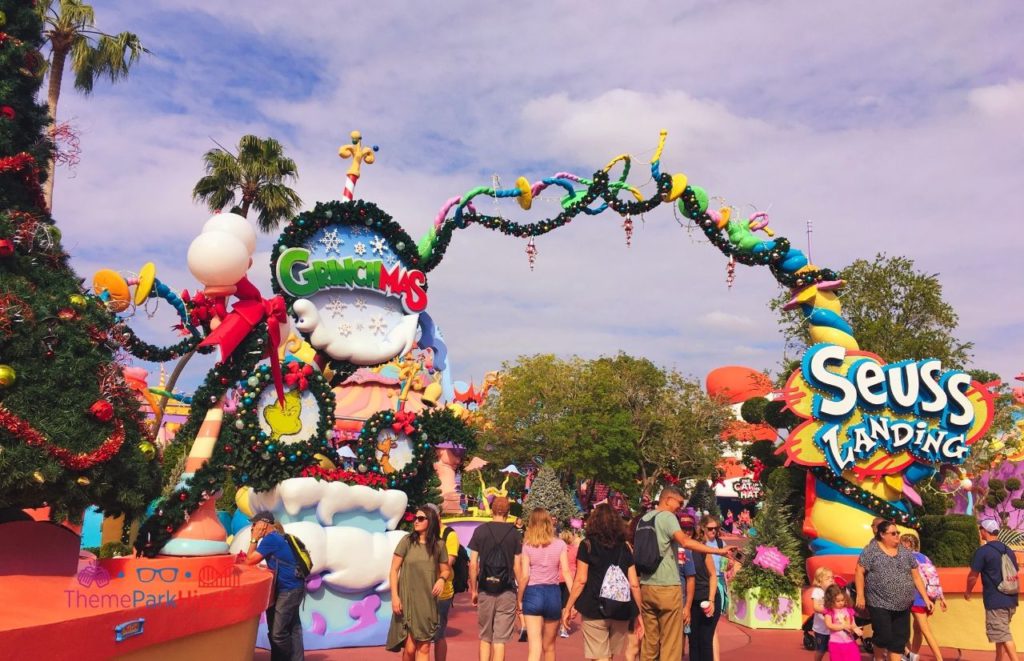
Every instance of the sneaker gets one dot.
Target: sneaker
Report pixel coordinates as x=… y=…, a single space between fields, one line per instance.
x=563 y=633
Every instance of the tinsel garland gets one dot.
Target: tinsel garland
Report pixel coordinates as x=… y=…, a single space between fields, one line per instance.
x=19 y=428
x=346 y=476
x=879 y=506
x=25 y=164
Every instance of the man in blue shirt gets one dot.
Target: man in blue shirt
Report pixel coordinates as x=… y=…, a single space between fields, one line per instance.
x=284 y=629
x=999 y=607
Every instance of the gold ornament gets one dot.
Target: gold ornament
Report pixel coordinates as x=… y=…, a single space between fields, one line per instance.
x=83 y=481
x=148 y=450
x=38 y=476
x=7 y=376
x=78 y=301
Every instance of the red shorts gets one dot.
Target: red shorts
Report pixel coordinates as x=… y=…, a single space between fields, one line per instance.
x=919 y=609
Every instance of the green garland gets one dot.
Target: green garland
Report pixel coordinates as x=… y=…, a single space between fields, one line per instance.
x=173 y=511
x=876 y=505
x=442 y=425
x=264 y=462
x=137 y=347
x=408 y=477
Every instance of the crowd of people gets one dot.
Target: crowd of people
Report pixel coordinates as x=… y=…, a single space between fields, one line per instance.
x=647 y=588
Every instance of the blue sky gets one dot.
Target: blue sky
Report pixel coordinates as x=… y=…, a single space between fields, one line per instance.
x=895 y=127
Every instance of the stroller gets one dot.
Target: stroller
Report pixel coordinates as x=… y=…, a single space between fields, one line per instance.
x=860 y=619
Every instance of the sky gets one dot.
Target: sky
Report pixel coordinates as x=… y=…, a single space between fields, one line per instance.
x=894 y=128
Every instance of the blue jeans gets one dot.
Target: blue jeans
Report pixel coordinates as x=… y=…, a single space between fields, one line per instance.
x=283 y=626
x=543 y=600
x=444 y=606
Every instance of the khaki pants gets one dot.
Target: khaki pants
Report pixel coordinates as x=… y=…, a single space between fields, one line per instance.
x=662 y=614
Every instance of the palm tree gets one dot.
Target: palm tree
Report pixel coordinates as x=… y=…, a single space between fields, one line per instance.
x=257 y=173
x=69 y=28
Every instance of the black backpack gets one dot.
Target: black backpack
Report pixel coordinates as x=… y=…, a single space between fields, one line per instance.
x=496 y=574
x=460 y=568
x=646 y=550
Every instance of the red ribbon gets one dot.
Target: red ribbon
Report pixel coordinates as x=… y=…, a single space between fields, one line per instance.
x=202 y=309
x=403 y=422
x=298 y=375
x=244 y=316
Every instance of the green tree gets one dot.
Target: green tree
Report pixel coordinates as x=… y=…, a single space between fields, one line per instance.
x=548 y=492
x=257 y=175
x=896 y=312
x=69 y=29
x=71 y=434
x=621 y=421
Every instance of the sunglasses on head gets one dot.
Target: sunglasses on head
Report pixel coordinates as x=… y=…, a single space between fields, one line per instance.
x=420 y=518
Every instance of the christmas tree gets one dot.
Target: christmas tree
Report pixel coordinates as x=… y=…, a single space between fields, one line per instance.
x=71 y=434
x=547 y=492
x=773 y=528
x=704 y=500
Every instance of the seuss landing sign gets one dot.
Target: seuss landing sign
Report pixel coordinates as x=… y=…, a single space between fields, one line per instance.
x=874 y=419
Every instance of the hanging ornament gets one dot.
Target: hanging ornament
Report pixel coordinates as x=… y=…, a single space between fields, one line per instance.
x=6 y=248
x=38 y=477
x=67 y=314
x=77 y=301
x=627 y=225
x=83 y=481
x=730 y=272
x=102 y=410
x=531 y=252
x=7 y=112
x=7 y=376
x=148 y=450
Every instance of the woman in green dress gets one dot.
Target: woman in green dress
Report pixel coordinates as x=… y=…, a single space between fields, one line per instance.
x=419 y=570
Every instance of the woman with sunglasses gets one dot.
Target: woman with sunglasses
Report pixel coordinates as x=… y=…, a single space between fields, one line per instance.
x=711 y=534
x=887 y=582
x=419 y=570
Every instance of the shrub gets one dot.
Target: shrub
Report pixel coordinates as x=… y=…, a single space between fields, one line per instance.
x=949 y=540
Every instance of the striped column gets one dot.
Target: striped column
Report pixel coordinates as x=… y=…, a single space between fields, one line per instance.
x=350 y=186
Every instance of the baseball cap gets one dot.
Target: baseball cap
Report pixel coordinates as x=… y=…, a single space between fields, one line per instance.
x=262 y=516
x=991 y=526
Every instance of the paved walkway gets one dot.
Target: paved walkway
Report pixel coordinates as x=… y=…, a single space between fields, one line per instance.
x=737 y=643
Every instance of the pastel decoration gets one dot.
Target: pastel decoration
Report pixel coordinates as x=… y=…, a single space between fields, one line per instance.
x=770 y=558
x=319 y=624
x=525 y=197
x=218 y=259
x=111 y=286
x=235 y=225
x=147 y=274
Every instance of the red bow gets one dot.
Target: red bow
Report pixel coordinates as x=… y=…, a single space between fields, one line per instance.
x=239 y=323
x=758 y=469
x=202 y=310
x=403 y=422
x=298 y=375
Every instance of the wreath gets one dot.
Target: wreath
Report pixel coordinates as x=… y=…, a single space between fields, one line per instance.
x=265 y=426
x=384 y=432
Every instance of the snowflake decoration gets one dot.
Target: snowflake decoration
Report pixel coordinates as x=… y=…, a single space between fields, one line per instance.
x=360 y=249
x=359 y=327
x=391 y=259
x=336 y=307
x=379 y=246
x=332 y=242
x=360 y=303
x=345 y=329
x=378 y=325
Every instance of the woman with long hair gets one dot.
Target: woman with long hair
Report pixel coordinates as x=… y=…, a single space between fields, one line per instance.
x=606 y=620
x=933 y=588
x=707 y=604
x=709 y=532
x=545 y=563
x=419 y=570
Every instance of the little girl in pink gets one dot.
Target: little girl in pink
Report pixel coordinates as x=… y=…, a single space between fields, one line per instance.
x=839 y=619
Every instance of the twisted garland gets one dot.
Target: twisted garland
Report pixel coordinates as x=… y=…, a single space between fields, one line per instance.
x=877 y=505
x=19 y=428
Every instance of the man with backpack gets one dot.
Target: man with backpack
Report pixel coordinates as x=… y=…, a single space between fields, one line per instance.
x=994 y=561
x=495 y=553
x=458 y=581
x=656 y=543
x=268 y=542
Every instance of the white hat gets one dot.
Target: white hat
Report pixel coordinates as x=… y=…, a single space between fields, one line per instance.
x=991 y=526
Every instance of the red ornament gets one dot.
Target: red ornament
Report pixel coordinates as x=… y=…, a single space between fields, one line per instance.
x=67 y=314
x=102 y=410
x=6 y=247
x=7 y=112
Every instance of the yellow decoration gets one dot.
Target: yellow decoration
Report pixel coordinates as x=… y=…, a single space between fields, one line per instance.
x=356 y=152
x=242 y=501
x=147 y=274
x=7 y=376
x=678 y=186
x=84 y=481
x=525 y=193
x=111 y=282
x=77 y=301
x=324 y=462
x=38 y=477
x=725 y=213
x=385 y=446
x=432 y=394
x=284 y=421
x=844 y=525
x=148 y=450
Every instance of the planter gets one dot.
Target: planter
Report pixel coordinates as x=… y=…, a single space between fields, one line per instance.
x=746 y=609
